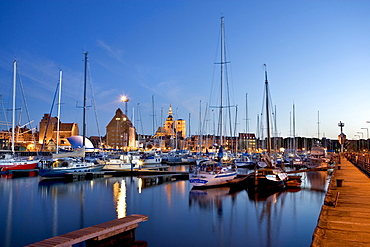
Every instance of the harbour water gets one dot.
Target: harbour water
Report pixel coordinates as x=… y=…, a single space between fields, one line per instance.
x=32 y=209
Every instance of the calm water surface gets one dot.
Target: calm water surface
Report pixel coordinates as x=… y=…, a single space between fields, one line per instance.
x=32 y=210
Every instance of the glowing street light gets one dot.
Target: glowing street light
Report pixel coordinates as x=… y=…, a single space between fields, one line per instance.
x=125 y=99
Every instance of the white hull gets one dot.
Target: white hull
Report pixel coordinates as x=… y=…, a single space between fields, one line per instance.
x=152 y=161
x=118 y=167
x=211 y=173
x=207 y=179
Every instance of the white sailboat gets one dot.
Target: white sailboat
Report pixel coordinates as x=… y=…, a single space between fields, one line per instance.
x=10 y=162
x=215 y=172
x=120 y=162
x=69 y=162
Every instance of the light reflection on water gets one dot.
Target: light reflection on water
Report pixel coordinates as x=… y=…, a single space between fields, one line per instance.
x=32 y=210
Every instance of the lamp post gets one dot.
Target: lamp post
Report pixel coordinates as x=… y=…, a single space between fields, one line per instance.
x=367 y=132
x=367 y=138
x=362 y=137
x=125 y=99
x=362 y=134
x=359 y=146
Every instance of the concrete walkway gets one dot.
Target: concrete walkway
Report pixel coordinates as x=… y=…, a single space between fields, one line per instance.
x=345 y=216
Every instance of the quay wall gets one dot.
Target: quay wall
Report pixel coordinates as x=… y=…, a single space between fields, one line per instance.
x=345 y=216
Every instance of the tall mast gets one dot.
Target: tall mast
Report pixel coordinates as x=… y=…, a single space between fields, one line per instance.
x=84 y=107
x=236 y=120
x=267 y=114
x=275 y=131
x=14 y=93
x=153 y=131
x=290 y=144
x=222 y=73
x=59 y=100
x=258 y=131
x=200 y=127
x=246 y=120
x=318 y=125
x=294 y=141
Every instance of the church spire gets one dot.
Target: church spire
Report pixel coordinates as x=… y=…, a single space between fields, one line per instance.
x=170 y=110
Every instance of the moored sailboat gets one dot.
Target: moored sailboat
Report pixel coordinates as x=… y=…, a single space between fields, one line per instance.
x=10 y=162
x=70 y=162
x=212 y=172
x=215 y=172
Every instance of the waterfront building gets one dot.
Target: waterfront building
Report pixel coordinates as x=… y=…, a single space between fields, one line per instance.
x=120 y=132
x=172 y=134
x=48 y=130
x=24 y=139
x=247 y=142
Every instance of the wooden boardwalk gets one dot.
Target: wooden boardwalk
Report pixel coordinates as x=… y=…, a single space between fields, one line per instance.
x=96 y=233
x=345 y=216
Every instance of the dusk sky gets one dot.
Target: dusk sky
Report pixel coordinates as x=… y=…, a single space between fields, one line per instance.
x=317 y=55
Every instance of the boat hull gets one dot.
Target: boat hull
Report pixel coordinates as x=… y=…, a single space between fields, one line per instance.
x=18 y=165
x=264 y=182
x=60 y=172
x=205 y=180
x=118 y=167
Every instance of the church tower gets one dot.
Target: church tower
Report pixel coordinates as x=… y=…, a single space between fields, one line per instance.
x=172 y=128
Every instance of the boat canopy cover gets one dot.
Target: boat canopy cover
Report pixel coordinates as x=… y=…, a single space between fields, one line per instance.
x=78 y=153
x=77 y=142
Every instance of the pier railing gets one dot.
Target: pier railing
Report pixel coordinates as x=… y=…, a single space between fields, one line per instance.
x=361 y=160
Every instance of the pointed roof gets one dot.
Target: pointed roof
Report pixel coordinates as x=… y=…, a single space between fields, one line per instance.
x=170 y=110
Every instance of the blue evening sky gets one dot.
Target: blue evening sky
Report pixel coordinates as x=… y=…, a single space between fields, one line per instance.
x=317 y=55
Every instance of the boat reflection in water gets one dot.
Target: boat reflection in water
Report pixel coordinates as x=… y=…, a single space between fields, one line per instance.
x=177 y=214
x=261 y=217
x=209 y=198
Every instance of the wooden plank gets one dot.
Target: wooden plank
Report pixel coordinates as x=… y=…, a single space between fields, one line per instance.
x=55 y=241
x=118 y=231
x=344 y=220
x=100 y=231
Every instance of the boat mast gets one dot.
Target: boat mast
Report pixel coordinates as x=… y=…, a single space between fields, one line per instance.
x=59 y=100
x=294 y=141
x=84 y=107
x=267 y=114
x=200 y=128
x=14 y=93
x=318 y=125
x=222 y=72
x=246 y=121
x=153 y=115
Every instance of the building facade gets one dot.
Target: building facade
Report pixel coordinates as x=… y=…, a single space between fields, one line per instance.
x=172 y=134
x=120 y=132
x=48 y=131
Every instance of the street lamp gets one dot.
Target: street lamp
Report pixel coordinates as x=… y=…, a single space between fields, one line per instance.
x=367 y=137
x=367 y=132
x=362 y=134
x=359 y=138
x=125 y=99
